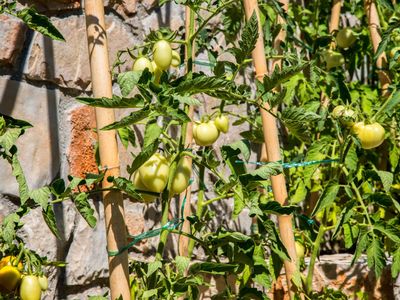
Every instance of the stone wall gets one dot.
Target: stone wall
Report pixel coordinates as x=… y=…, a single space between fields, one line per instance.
x=39 y=80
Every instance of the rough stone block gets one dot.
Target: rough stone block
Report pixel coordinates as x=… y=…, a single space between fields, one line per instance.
x=51 y=5
x=67 y=63
x=12 y=37
x=38 y=147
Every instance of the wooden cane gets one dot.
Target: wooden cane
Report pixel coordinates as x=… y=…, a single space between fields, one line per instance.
x=271 y=139
x=113 y=202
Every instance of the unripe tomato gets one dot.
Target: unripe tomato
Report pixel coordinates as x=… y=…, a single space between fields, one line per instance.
x=154 y=173
x=345 y=38
x=222 y=123
x=393 y=52
x=333 y=59
x=162 y=54
x=300 y=250
x=182 y=176
x=142 y=63
x=370 y=135
x=176 y=59
x=30 y=288
x=10 y=261
x=9 y=277
x=345 y=115
x=140 y=186
x=43 y=282
x=205 y=134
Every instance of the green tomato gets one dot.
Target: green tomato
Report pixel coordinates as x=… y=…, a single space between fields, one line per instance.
x=333 y=59
x=300 y=250
x=138 y=184
x=394 y=52
x=345 y=115
x=222 y=123
x=30 y=288
x=345 y=38
x=43 y=282
x=142 y=63
x=9 y=277
x=182 y=176
x=205 y=134
x=154 y=173
x=176 y=59
x=162 y=54
x=370 y=135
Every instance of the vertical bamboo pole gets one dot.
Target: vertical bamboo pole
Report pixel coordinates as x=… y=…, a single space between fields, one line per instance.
x=183 y=240
x=374 y=27
x=113 y=204
x=271 y=139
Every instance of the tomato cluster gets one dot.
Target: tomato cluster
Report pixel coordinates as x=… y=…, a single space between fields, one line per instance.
x=206 y=133
x=163 y=57
x=12 y=277
x=153 y=176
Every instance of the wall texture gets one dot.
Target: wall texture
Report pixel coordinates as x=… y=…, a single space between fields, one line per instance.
x=39 y=79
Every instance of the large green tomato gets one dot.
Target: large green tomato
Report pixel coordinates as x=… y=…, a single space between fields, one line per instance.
x=30 y=288
x=162 y=54
x=154 y=173
x=370 y=135
x=344 y=114
x=333 y=59
x=142 y=63
x=176 y=59
x=222 y=123
x=43 y=282
x=138 y=184
x=182 y=176
x=9 y=277
x=205 y=134
x=345 y=38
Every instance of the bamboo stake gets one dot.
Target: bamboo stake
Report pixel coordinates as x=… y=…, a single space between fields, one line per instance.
x=113 y=203
x=381 y=62
x=271 y=140
x=184 y=240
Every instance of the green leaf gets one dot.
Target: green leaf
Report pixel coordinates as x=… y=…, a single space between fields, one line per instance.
x=41 y=196
x=127 y=136
x=396 y=263
x=128 y=80
x=238 y=147
x=20 y=177
x=350 y=233
x=115 y=102
x=182 y=264
x=143 y=156
x=280 y=76
x=187 y=100
x=300 y=194
x=275 y=207
x=8 y=139
x=262 y=173
x=277 y=246
x=390 y=231
x=298 y=120
x=153 y=267
x=131 y=119
x=259 y=256
x=149 y=293
x=40 y=23
x=9 y=227
x=50 y=219
x=376 y=257
x=351 y=159
x=213 y=268
x=386 y=178
x=248 y=39
x=200 y=83
x=239 y=202
x=327 y=198
x=127 y=187
x=152 y=132
x=83 y=206
x=178 y=115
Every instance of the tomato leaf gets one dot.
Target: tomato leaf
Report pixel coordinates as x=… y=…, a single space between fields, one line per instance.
x=213 y=268
x=327 y=198
x=126 y=186
x=152 y=132
x=386 y=178
x=128 y=80
x=390 y=231
x=114 y=102
x=83 y=206
x=19 y=175
x=396 y=263
x=143 y=156
x=187 y=100
x=41 y=196
x=50 y=219
x=127 y=136
x=376 y=256
x=133 y=118
x=182 y=263
x=275 y=207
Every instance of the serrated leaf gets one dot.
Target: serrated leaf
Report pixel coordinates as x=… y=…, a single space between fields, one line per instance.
x=239 y=202
x=40 y=23
x=152 y=132
x=300 y=194
x=153 y=267
x=265 y=171
x=114 y=102
x=20 y=177
x=8 y=227
x=187 y=100
x=178 y=115
x=327 y=198
x=386 y=178
x=280 y=76
x=390 y=231
x=182 y=263
x=238 y=147
x=376 y=257
x=131 y=119
x=127 y=187
x=275 y=207
x=395 y=269
x=200 y=83
x=351 y=159
x=41 y=196
x=8 y=139
x=149 y=293
x=127 y=136
x=212 y=268
x=248 y=39
x=83 y=206
x=350 y=235
x=50 y=219
x=128 y=80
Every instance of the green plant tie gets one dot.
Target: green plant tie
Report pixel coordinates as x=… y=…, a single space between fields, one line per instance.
x=291 y=164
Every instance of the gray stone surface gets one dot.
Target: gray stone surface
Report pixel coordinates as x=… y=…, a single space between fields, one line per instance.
x=66 y=63
x=38 y=147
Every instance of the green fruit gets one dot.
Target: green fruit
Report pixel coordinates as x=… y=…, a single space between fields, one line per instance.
x=370 y=135
x=30 y=288
x=222 y=123
x=333 y=59
x=182 y=176
x=345 y=38
x=142 y=63
x=154 y=173
x=162 y=54
x=205 y=134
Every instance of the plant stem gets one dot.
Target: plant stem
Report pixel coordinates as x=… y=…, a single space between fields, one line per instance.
x=205 y=203
x=314 y=254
